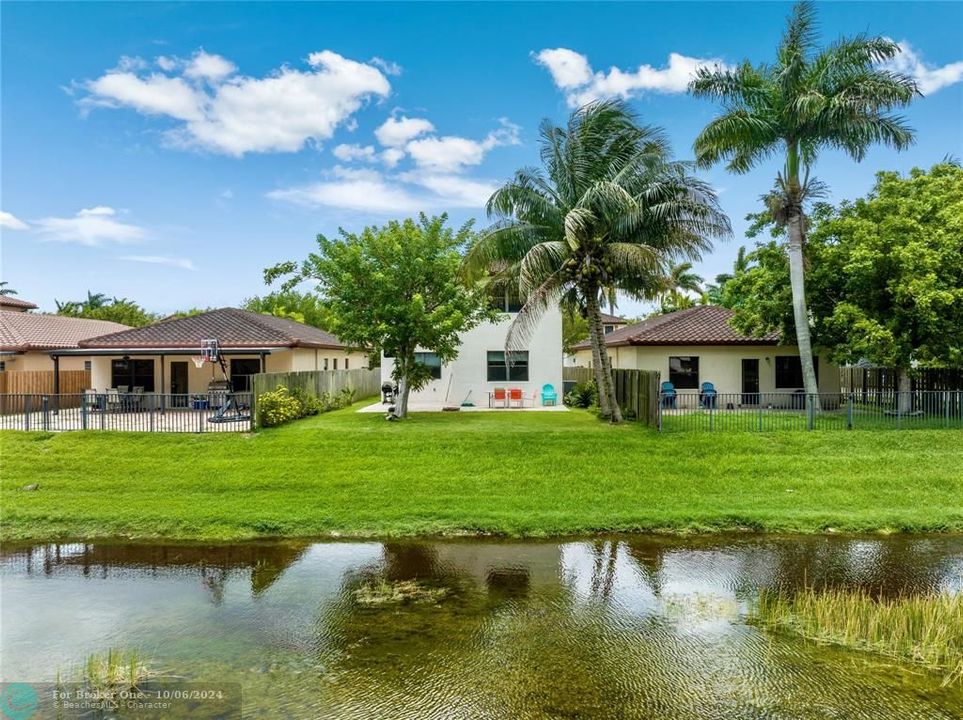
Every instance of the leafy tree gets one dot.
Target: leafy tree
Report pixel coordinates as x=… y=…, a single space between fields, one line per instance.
x=189 y=312
x=574 y=328
x=885 y=271
x=611 y=210
x=303 y=307
x=4 y=290
x=715 y=293
x=396 y=289
x=805 y=101
x=100 y=307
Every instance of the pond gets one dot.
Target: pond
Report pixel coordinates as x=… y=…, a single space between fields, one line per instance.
x=616 y=627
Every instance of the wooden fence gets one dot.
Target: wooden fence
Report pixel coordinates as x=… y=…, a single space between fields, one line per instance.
x=365 y=382
x=876 y=380
x=637 y=391
x=40 y=382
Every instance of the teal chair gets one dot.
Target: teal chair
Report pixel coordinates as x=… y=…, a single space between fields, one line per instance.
x=549 y=396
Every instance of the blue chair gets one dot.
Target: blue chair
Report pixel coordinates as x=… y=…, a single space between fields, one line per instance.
x=669 y=395
x=708 y=395
x=549 y=396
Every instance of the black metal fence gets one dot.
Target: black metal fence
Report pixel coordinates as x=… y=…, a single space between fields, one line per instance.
x=131 y=412
x=866 y=410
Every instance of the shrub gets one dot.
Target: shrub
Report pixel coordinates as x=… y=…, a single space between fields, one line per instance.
x=277 y=407
x=583 y=395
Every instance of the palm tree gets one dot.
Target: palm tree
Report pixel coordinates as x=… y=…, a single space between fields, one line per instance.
x=609 y=211
x=715 y=292
x=806 y=101
x=4 y=290
x=679 y=281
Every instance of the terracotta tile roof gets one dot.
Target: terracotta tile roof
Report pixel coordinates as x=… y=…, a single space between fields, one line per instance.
x=233 y=328
x=701 y=325
x=22 y=332
x=10 y=303
x=613 y=319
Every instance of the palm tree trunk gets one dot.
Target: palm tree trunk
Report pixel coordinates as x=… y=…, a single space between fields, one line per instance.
x=607 y=387
x=605 y=406
x=800 y=312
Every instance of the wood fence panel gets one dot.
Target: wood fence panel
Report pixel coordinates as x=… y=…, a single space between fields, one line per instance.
x=365 y=382
x=39 y=383
x=637 y=391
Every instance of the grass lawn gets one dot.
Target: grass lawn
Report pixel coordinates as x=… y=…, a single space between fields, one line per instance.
x=447 y=473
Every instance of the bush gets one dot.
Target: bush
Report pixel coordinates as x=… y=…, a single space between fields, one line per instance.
x=282 y=405
x=583 y=395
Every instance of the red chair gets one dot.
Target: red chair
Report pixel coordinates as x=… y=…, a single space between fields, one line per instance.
x=498 y=395
x=515 y=395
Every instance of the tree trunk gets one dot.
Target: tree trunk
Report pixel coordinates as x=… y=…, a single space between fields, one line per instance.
x=404 y=389
x=799 y=310
x=904 y=399
x=607 y=388
x=605 y=406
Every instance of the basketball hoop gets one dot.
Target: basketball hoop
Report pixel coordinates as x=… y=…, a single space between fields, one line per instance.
x=199 y=361
x=209 y=349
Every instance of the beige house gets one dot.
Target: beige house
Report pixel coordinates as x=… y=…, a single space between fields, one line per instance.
x=159 y=357
x=698 y=345
x=33 y=341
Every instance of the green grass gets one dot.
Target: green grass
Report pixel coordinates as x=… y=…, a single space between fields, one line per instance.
x=529 y=474
x=926 y=630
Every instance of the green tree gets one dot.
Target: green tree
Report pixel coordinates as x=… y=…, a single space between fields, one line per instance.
x=574 y=328
x=610 y=211
x=806 y=101
x=396 y=289
x=715 y=293
x=679 y=281
x=99 y=306
x=303 y=307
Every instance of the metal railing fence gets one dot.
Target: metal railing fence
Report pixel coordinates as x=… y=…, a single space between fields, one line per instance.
x=774 y=411
x=126 y=412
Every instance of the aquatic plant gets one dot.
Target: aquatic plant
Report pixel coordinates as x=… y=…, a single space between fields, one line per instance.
x=381 y=592
x=926 y=630
x=117 y=670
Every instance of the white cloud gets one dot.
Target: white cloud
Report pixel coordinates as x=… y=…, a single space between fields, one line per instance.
x=930 y=78
x=392 y=156
x=370 y=191
x=451 y=153
x=572 y=73
x=387 y=66
x=396 y=131
x=349 y=153
x=90 y=226
x=11 y=222
x=174 y=262
x=218 y=110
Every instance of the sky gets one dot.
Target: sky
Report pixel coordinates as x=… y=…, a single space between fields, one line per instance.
x=168 y=153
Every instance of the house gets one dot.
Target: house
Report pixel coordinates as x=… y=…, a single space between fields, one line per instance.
x=8 y=303
x=33 y=341
x=611 y=323
x=482 y=366
x=159 y=357
x=697 y=345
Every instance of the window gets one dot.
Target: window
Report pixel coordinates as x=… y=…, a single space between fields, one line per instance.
x=336 y=363
x=87 y=365
x=789 y=371
x=684 y=372
x=432 y=361
x=3 y=365
x=241 y=371
x=326 y=363
x=346 y=360
x=608 y=328
x=132 y=373
x=506 y=300
x=515 y=369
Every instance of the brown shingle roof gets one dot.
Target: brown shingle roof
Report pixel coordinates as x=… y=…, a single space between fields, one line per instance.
x=10 y=303
x=613 y=319
x=233 y=328
x=22 y=332
x=701 y=325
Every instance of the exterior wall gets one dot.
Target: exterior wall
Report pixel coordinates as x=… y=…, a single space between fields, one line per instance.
x=41 y=361
x=718 y=364
x=468 y=373
x=308 y=359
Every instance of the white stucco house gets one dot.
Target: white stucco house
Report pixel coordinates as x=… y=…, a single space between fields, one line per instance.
x=481 y=368
x=697 y=345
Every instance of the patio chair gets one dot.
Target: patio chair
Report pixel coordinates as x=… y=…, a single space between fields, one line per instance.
x=123 y=388
x=137 y=398
x=669 y=395
x=515 y=395
x=549 y=396
x=497 y=395
x=115 y=400
x=708 y=395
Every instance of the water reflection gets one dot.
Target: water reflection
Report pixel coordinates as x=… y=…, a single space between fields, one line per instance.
x=633 y=627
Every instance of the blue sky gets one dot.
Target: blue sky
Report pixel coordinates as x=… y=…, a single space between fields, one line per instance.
x=169 y=152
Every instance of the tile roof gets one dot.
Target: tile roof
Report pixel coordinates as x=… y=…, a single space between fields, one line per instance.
x=10 y=303
x=233 y=328
x=613 y=319
x=701 y=325
x=22 y=332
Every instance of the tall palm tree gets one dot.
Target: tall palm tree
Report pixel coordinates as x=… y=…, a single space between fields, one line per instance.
x=715 y=292
x=609 y=212
x=809 y=99
x=679 y=281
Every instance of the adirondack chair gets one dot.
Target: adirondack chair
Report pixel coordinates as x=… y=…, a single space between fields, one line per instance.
x=708 y=395
x=549 y=396
x=669 y=395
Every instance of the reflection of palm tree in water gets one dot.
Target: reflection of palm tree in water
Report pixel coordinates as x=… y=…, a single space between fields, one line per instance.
x=214 y=580
x=604 y=568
